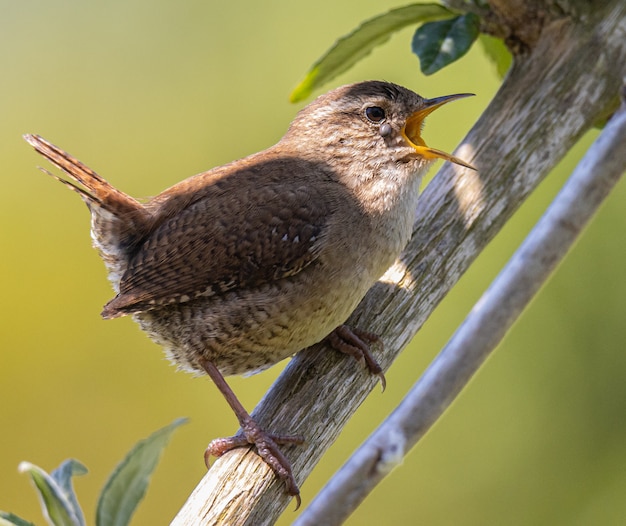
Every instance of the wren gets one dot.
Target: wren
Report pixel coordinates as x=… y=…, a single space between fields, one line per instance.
x=237 y=268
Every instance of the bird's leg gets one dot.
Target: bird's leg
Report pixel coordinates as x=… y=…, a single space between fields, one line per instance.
x=357 y=343
x=265 y=443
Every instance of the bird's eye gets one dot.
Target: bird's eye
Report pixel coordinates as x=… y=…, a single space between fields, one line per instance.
x=375 y=113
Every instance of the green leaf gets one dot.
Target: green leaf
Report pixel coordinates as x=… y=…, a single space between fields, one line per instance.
x=440 y=43
x=63 y=477
x=10 y=519
x=497 y=52
x=128 y=482
x=351 y=48
x=57 y=503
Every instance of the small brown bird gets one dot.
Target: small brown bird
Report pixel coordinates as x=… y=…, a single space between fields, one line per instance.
x=237 y=268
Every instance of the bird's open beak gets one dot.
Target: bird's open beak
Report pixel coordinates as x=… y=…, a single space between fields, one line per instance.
x=413 y=128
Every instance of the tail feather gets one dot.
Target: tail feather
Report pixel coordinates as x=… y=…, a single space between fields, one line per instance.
x=118 y=222
x=94 y=188
x=84 y=194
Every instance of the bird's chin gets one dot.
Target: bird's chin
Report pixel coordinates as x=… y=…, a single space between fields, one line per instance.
x=432 y=154
x=410 y=157
x=419 y=150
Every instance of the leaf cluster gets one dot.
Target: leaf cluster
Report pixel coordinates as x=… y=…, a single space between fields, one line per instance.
x=442 y=37
x=119 y=498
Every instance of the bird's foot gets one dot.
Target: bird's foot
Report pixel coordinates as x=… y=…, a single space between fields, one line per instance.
x=356 y=343
x=266 y=444
x=267 y=448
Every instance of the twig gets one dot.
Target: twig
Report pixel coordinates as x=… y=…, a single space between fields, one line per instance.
x=482 y=330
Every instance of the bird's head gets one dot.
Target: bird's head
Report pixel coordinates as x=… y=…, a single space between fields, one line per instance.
x=369 y=122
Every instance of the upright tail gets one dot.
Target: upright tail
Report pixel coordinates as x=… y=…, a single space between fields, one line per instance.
x=94 y=189
x=118 y=221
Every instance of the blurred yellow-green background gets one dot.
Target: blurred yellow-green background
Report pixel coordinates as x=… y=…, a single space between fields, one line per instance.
x=148 y=93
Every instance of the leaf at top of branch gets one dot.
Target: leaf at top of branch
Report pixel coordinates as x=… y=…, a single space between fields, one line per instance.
x=351 y=48
x=497 y=52
x=440 y=43
x=128 y=482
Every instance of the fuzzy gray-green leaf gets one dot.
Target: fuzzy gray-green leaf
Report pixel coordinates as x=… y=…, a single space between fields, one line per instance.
x=57 y=507
x=10 y=519
x=128 y=482
x=63 y=477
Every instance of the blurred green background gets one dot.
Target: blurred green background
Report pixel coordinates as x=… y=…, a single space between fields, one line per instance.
x=148 y=93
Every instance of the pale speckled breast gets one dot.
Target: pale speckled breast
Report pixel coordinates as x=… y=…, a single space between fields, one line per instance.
x=247 y=331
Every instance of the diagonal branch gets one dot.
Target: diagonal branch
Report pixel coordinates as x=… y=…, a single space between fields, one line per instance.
x=483 y=329
x=549 y=99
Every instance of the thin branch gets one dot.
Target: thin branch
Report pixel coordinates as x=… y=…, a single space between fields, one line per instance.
x=483 y=329
x=546 y=103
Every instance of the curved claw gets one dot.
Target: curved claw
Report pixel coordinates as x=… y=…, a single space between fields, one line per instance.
x=383 y=381
x=356 y=343
x=267 y=448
